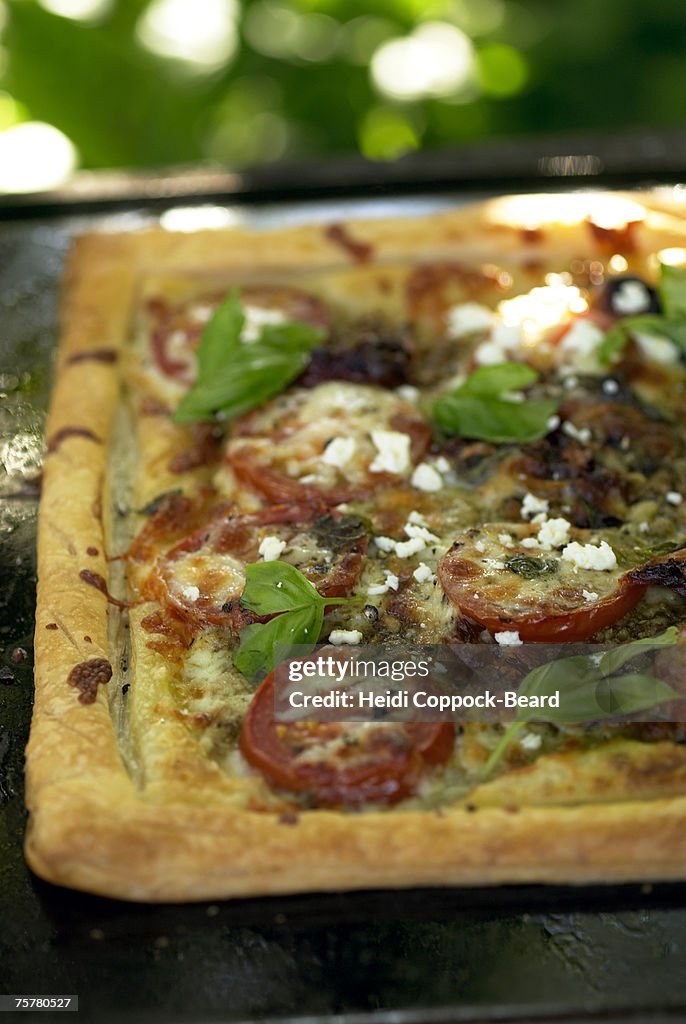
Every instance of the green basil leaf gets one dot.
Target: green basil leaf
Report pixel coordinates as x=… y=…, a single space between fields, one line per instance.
x=273 y=587
x=300 y=627
x=611 y=346
x=235 y=376
x=673 y=291
x=633 y=692
x=493 y=419
x=614 y=659
x=495 y=380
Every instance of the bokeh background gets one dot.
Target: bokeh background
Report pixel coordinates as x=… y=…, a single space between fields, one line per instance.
x=154 y=83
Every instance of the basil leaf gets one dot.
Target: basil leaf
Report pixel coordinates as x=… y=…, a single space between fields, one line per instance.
x=236 y=376
x=494 y=380
x=273 y=587
x=613 y=660
x=493 y=419
x=612 y=344
x=628 y=694
x=300 y=627
x=673 y=290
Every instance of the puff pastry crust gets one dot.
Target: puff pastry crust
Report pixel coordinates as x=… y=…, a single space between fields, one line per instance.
x=123 y=799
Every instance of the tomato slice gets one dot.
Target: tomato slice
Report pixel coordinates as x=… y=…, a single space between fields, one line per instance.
x=340 y=763
x=201 y=578
x=281 y=450
x=511 y=587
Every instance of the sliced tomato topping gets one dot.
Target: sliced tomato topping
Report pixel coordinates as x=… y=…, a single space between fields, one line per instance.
x=202 y=577
x=176 y=331
x=334 y=442
x=543 y=597
x=340 y=763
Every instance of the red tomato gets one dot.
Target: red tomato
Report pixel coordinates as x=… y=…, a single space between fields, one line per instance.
x=358 y=763
x=532 y=592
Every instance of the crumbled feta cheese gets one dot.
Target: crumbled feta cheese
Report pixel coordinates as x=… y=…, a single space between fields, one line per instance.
x=530 y=741
x=191 y=593
x=553 y=533
x=590 y=556
x=531 y=505
x=256 y=317
x=442 y=464
x=553 y=422
x=345 y=636
x=339 y=451
x=480 y=546
x=630 y=297
x=416 y=518
x=406 y=548
x=385 y=544
x=571 y=382
x=673 y=497
x=589 y=595
x=583 y=434
x=271 y=547
x=658 y=350
x=530 y=542
x=610 y=386
x=426 y=478
x=423 y=573
x=493 y=563
x=579 y=345
x=393 y=452
x=390 y=583
x=508 y=639
x=421 y=532
x=408 y=392
x=643 y=527
x=504 y=341
x=506 y=540
x=468 y=318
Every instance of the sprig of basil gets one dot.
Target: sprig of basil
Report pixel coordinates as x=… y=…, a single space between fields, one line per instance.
x=277 y=588
x=479 y=407
x=592 y=689
x=670 y=325
x=235 y=376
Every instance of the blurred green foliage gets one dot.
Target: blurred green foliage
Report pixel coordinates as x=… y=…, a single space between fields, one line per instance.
x=296 y=80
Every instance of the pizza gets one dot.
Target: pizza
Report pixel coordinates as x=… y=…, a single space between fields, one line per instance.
x=459 y=429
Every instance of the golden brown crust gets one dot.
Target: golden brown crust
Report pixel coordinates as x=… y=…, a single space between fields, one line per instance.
x=168 y=824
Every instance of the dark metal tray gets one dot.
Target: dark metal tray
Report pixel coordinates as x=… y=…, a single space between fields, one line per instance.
x=503 y=954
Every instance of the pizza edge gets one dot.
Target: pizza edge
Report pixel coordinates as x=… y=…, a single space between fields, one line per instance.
x=89 y=827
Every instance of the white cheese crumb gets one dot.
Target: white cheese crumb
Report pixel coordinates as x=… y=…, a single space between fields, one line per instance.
x=426 y=478
x=610 y=386
x=530 y=741
x=390 y=583
x=531 y=505
x=423 y=573
x=530 y=542
x=553 y=422
x=506 y=540
x=658 y=350
x=385 y=544
x=408 y=392
x=256 y=317
x=442 y=464
x=421 y=532
x=571 y=382
x=345 y=636
x=493 y=563
x=480 y=546
x=393 y=450
x=589 y=595
x=417 y=518
x=271 y=547
x=673 y=497
x=392 y=580
x=339 y=451
x=630 y=297
x=553 y=533
x=505 y=340
x=590 y=556
x=583 y=434
x=643 y=527
x=406 y=548
x=508 y=639
x=579 y=345
x=468 y=318
x=191 y=593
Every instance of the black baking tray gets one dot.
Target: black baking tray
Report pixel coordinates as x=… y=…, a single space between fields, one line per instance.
x=533 y=953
